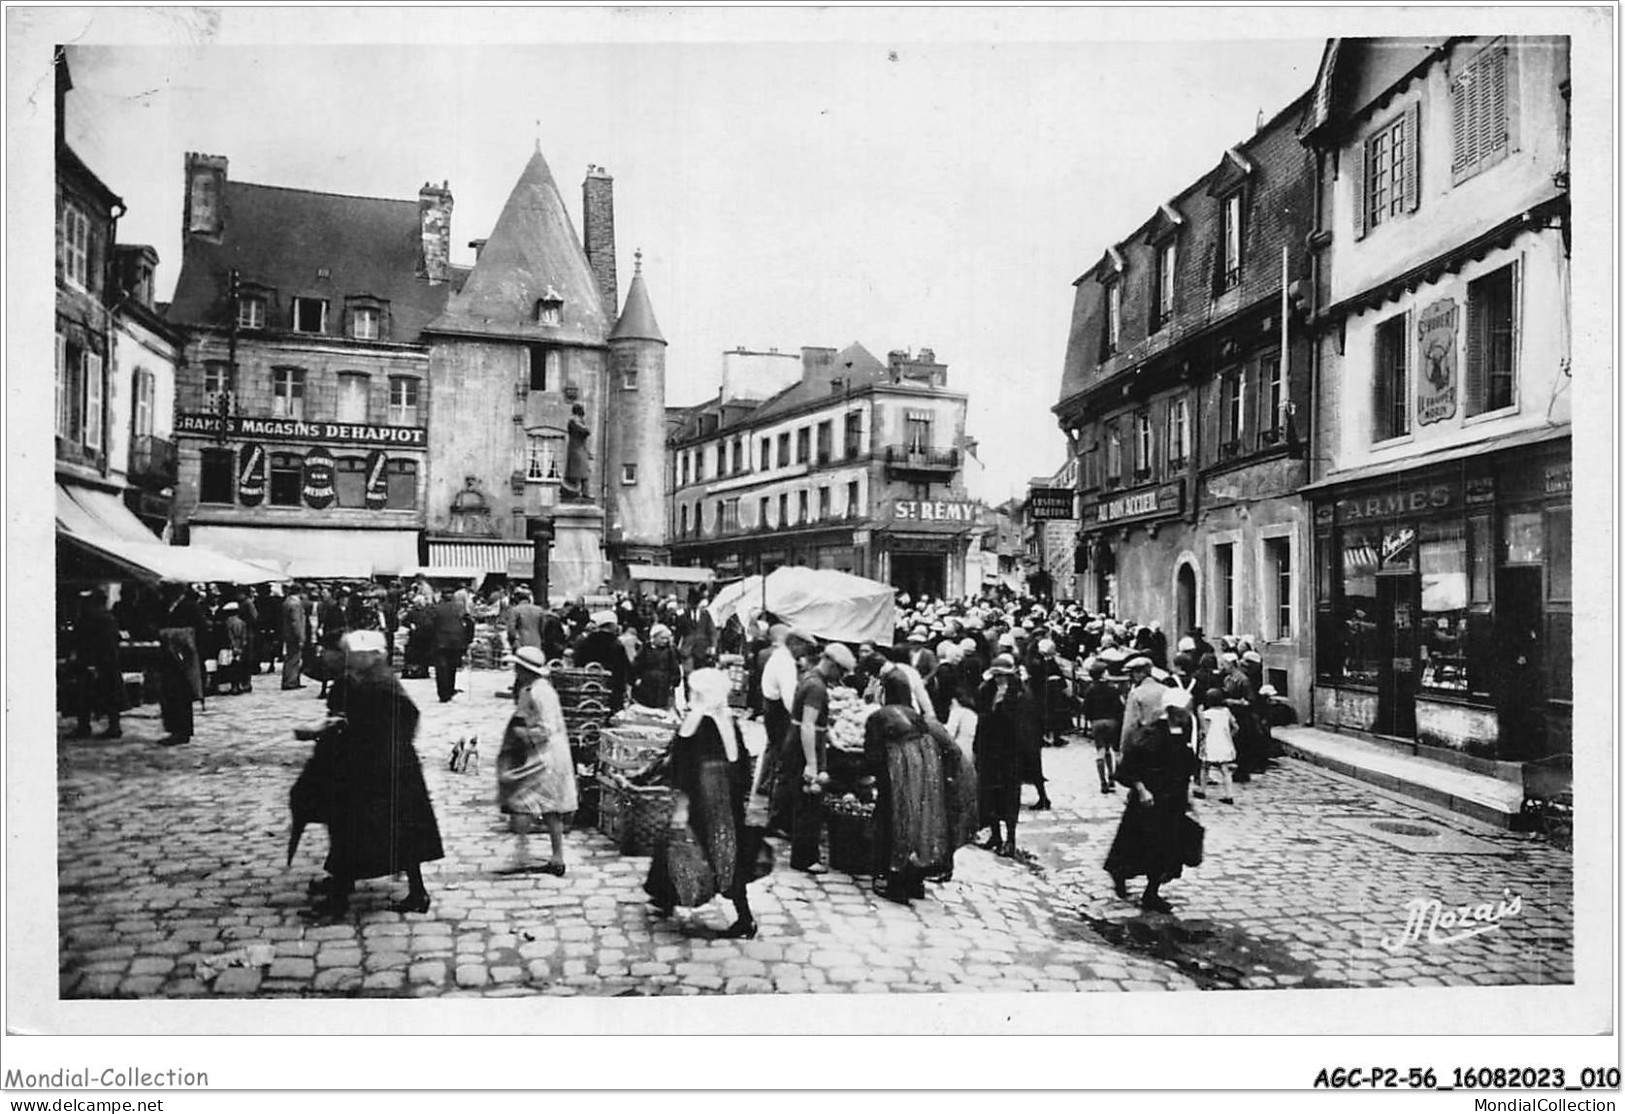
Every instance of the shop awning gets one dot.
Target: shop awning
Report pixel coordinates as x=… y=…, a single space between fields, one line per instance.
x=89 y=513
x=305 y=553
x=473 y=557
x=1518 y=440
x=670 y=574
x=104 y=527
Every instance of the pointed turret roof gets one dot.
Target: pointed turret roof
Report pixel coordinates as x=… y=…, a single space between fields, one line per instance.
x=638 y=318
x=532 y=254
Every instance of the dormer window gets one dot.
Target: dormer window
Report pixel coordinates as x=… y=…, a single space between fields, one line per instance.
x=550 y=309
x=1114 y=318
x=364 y=323
x=310 y=315
x=1230 y=242
x=251 y=311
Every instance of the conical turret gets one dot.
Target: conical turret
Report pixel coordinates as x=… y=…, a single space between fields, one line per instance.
x=636 y=430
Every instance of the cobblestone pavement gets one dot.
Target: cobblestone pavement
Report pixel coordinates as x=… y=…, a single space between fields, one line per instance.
x=172 y=884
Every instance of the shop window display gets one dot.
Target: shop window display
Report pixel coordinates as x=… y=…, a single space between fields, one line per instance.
x=1357 y=608
x=1443 y=558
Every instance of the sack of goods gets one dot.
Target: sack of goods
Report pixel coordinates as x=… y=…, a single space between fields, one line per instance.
x=847 y=715
x=638 y=715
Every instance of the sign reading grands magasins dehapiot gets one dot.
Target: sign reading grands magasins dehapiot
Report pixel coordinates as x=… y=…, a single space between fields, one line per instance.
x=287 y=429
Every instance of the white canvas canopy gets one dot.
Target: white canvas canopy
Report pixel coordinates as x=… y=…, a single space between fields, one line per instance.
x=831 y=605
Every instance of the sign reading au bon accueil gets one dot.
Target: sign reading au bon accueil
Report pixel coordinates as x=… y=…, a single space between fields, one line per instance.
x=287 y=429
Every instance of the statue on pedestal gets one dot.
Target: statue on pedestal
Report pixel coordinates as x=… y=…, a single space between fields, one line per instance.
x=576 y=457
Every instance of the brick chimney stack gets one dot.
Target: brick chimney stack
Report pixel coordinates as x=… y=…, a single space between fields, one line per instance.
x=434 y=220
x=598 y=221
x=205 y=213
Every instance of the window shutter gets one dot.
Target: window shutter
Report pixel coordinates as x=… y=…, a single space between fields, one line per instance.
x=93 y=401
x=1477 y=336
x=1493 y=88
x=1357 y=182
x=1413 y=157
x=1461 y=135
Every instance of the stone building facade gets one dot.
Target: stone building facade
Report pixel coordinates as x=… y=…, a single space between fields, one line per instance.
x=1186 y=380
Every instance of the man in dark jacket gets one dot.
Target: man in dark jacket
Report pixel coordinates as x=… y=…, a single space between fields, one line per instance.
x=523 y=624
x=96 y=665
x=295 y=628
x=450 y=640
x=602 y=644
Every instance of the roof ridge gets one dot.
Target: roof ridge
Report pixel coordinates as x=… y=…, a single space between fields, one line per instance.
x=323 y=193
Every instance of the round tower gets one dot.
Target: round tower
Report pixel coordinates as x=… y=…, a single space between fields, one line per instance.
x=635 y=441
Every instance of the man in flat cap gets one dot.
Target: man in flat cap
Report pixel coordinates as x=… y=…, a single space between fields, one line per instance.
x=805 y=762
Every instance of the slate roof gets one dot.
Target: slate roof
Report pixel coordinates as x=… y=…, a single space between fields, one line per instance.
x=279 y=238
x=854 y=362
x=638 y=318
x=532 y=251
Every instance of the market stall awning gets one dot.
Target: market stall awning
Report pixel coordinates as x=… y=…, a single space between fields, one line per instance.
x=305 y=553
x=474 y=557
x=98 y=523
x=821 y=602
x=670 y=574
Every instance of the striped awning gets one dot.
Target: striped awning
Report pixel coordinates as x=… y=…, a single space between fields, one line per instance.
x=670 y=574
x=478 y=557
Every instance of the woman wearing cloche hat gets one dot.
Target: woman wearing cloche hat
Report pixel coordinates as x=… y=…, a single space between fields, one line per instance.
x=536 y=777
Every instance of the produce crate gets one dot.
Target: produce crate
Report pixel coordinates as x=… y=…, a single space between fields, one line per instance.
x=851 y=837
x=627 y=751
x=569 y=681
x=634 y=817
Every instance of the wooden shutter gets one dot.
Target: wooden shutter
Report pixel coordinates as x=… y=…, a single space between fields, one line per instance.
x=93 y=401
x=1477 y=337
x=1491 y=91
x=1358 y=190
x=1413 y=156
x=1461 y=133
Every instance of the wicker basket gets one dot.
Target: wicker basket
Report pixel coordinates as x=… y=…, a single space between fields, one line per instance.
x=852 y=838
x=626 y=752
x=634 y=817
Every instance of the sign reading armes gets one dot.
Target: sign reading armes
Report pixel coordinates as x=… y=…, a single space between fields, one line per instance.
x=1044 y=503
x=287 y=429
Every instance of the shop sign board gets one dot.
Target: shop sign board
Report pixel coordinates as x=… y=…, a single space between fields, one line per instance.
x=251 y=475
x=1050 y=503
x=925 y=510
x=1436 y=351
x=318 y=485
x=1167 y=499
x=1480 y=491
x=377 y=494
x=1396 y=504
x=1560 y=478
x=286 y=429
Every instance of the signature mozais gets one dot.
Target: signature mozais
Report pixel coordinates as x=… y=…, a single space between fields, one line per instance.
x=1427 y=918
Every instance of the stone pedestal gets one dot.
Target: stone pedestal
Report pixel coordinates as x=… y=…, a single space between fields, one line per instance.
x=577 y=566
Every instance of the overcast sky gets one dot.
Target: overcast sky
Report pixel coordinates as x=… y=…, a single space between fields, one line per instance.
x=893 y=188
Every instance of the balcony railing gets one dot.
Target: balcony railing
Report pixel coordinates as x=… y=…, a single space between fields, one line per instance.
x=153 y=462
x=904 y=458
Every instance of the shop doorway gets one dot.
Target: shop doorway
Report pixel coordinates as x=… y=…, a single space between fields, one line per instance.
x=1396 y=676
x=1105 y=581
x=919 y=574
x=1184 y=600
x=1521 y=662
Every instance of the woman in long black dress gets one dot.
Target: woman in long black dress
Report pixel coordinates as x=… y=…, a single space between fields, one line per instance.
x=710 y=766
x=1157 y=771
x=382 y=820
x=911 y=809
x=998 y=753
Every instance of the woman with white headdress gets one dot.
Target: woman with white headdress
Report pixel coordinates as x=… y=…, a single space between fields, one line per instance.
x=536 y=777
x=709 y=766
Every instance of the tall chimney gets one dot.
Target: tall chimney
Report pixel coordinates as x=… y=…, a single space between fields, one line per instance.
x=434 y=222
x=205 y=195
x=598 y=219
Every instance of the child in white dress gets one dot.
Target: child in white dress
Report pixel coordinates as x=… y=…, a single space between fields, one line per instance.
x=1218 y=749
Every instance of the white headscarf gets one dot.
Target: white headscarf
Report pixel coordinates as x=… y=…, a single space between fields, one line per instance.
x=708 y=691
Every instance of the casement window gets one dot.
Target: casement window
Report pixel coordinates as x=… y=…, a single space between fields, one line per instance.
x=309 y=315
x=1179 y=433
x=1224 y=588
x=544 y=456
x=825 y=506
x=761 y=513
x=722 y=458
x=350 y=481
x=853 y=433
x=629 y=377
x=1278 y=588
x=217 y=380
x=739 y=454
x=784 y=510
x=682 y=464
x=682 y=521
x=550 y=312
x=544 y=367
x=74 y=245
x=1272 y=401
x=250 y=311
x=144 y=386
x=1114 y=455
x=854 y=505
x=801 y=508
x=1113 y=338
x=287 y=479
x=1232 y=412
x=826 y=441
x=917 y=431
x=217 y=476
x=1391 y=384
x=1387 y=179
x=364 y=322
x=765 y=456
x=1142 y=444
x=784 y=450
x=353 y=390
x=288 y=393
x=1481 y=127
x=1163 y=295
x=401 y=485
x=403 y=400
x=803 y=444
x=1230 y=242
x=1492 y=341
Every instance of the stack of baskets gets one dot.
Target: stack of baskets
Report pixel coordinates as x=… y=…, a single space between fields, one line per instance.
x=851 y=837
x=633 y=816
x=584 y=698
x=487 y=649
